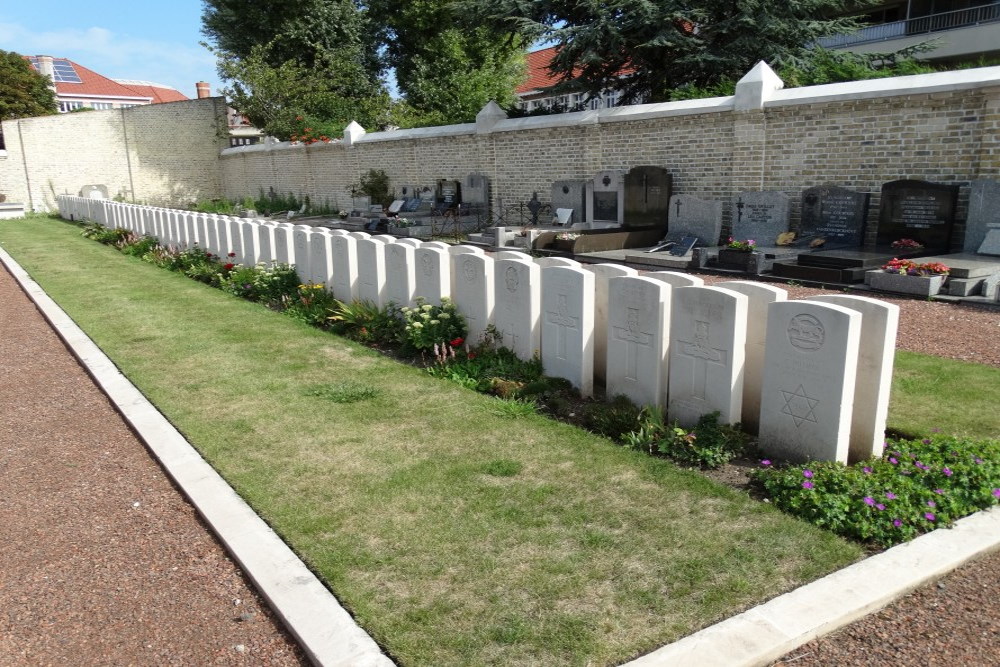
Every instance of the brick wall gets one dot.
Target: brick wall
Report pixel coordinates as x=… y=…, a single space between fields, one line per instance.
x=157 y=154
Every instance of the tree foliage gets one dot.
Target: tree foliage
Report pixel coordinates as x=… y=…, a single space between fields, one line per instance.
x=647 y=49
x=23 y=91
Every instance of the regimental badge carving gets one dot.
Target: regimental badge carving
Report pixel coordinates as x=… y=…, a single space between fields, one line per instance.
x=805 y=332
x=427 y=265
x=511 y=279
x=799 y=406
x=469 y=270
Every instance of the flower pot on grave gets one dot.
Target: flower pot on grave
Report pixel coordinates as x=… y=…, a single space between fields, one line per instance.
x=736 y=259
x=566 y=245
x=902 y=283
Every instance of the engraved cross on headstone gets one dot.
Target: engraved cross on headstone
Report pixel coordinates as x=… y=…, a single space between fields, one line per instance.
x=562 y=319
x=632 y=335
x=701 y=354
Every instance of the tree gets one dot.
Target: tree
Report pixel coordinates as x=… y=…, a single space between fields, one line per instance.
x=294 y=64
x=23 y=91
x=647 y=49
x=448 y=68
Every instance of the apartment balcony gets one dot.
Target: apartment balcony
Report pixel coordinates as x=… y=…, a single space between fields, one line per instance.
x=964 y=33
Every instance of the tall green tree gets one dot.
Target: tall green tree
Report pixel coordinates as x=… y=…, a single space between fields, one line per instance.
x=447 y=67
x=293 y=64
x=23 y=91
x=647 y=49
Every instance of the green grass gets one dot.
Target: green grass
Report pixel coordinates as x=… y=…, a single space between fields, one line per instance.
x=344 y=392
x=454 y=533
x=955 y=397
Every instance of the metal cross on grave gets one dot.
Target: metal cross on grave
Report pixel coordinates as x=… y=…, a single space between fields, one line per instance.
x=677 y=206
x=633 y=336
x=701 y=356
x=562 y=319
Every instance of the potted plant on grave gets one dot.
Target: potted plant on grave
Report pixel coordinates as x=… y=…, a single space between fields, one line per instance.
x=906 y=276
x=907 y=244
x=737 y=252
x=565 y=240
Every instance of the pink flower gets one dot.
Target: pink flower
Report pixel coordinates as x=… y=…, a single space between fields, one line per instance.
x=807 y=484
x=947 y=472
x=868 y=500
x=897 y=523
x=807 y=473
x=765 y=462
x=929 y=516
x=867 y=470
x=996 y=493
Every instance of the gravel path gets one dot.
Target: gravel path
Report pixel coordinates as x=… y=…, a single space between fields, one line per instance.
x=102 y=560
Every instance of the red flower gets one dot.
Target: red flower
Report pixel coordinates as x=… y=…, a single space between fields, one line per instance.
x=208 y=254
x=457 y=342
x=228 y=267
x=232 y=254
x=472 y=355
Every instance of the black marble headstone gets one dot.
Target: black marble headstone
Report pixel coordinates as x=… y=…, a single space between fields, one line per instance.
x=647 y=196
x=918 y=210
x=835 y=214
x=449 y=193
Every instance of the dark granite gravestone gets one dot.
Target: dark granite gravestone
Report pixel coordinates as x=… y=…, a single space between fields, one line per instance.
x=647 y=195
x=760 y=216
x=918 y=210
x=449 y=194
x=606 y=199
x=408 y=191
x=411 y=205
x=571 y=194
x=836 y=215
x=476 y=189
x=691 y=216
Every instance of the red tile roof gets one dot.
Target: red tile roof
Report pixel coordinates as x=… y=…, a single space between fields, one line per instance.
x=94 y=84
x=160 y=94
x=538 y=75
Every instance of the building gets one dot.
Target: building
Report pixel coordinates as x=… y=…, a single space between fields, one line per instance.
x=78 y=87
x=537 y=90
x=965 y=30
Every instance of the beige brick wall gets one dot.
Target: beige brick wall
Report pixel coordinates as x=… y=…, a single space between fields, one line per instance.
x=156 y=154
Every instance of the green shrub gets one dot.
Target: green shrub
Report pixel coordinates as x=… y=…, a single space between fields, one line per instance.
x=916 y=486
x=311 y=304
x=478 y=369
x=138 y=246
x=364 y=322
x=612 y=420
x=102 y=234
x=709 y=444
x=427 y=326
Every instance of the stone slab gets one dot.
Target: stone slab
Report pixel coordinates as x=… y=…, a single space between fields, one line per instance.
x=807 y=393
x=571 y=195
x=647 y=195
x=432 y=273
x=473 y=293
x=837 y=215
x=760 y=216
x=602 y=274
x=568 y=325
x=984 y=211
x=692 y=216
x=517 y=309
x=707 y=347
x=400 y=274
x=636 y=329
x=918 y=210
x=371 y=271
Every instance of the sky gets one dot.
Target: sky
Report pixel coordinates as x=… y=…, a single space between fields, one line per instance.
x=152 y=41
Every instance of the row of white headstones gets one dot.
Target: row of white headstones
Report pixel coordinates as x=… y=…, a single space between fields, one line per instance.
x=810 y=377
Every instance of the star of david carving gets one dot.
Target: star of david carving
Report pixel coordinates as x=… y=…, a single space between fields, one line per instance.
x=799 y=406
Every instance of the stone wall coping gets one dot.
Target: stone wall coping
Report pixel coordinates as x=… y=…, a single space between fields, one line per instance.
x=420 y=133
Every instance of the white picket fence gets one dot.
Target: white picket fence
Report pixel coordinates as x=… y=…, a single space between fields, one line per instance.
x=811 y=377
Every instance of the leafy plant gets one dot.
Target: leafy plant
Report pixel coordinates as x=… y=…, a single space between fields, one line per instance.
x=427 y=325
x=737 y=244
x=311 y=304
x=916 y=486
x=364 y=322
x=613 y=419
x=344 y=392
x=375 y=184
x=102 y=234
x=513 y=407
x=709 y=444
x=479 y=368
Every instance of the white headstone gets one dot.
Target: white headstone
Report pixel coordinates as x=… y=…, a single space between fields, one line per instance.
x=371 y=271
x=879 y=325
x=466 y=249
x=676 y=278
x=385 y=238
x=345 y=267
x=807 y=395
x=284 y=249
x=321 y=258
x=707 y=343
x=517 y=311
x=359 y=235
x=759 y=297
x=435 y=244
x=545 y=262
x=338 y=232
x=472 y=291
x=568 y=325
x=301 y=236
x=400 y=274
x=637 y=334
x=413 y=243
x=432 y=269
x=602 y=274
x=214 y=243
x=235 y=240
x=265 y=243
x=248 y=236
x=511 y=254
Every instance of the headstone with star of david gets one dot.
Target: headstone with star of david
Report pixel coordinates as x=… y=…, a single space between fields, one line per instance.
x=637 y=325
x=807 y=391
x=707 y=345
x=517 y=306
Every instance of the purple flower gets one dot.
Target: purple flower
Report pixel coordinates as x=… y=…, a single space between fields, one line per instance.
x=807 y=484
x=880 y=507
x=867 y=470
x=807 y=473
x=869 y=501
x=946 y=471
x=978 y=461
x=897 y=523
x=893 y=460
x=931 y=503
x=929 y=516
x=996 y=493
x=765 y=462
x=890 y=495
x=939 y=491
x=926 y=441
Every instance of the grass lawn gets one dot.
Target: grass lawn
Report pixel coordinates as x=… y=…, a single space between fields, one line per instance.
x=456 y=533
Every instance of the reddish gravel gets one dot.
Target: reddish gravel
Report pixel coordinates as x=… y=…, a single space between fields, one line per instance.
x=102 y=561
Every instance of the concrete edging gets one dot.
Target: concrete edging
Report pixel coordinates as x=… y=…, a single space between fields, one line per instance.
x=324 y=629
x=763 y=634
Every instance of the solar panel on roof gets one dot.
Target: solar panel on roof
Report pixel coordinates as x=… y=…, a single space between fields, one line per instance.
x=62 y=70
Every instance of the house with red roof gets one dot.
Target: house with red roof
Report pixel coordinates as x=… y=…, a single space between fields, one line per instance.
x=537 y=89
x=78 y=87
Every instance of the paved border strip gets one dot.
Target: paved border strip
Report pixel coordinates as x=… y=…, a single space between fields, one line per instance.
x=327 y=633
x=767 y=632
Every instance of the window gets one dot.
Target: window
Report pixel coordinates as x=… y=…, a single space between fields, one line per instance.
x=243 y=141
x=128 y=106
x=611 y=98
x=70 y=106
x=101 y=106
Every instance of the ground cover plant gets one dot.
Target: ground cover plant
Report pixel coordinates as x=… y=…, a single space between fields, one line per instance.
x=453 y=531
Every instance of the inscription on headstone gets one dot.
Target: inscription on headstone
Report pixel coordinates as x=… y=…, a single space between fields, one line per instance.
x=835 y=214
x=606 y=199
x=918 y=210
x=570 y=195
x=760 y=216
x=647 y=195
x=691 y=216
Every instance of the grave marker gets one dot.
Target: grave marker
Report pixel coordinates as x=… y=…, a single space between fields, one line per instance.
x=637 y=325
x=432 y=273
x=602 y=274
x=345 y=267
x=691 y=216
x=571 y=195
x=676 y=278
x=371 y=271
x=647 y=195
x=473 y=293
x=918 y=210
x=835 y=214
x=568 y=325
x=321 y=258
x=606 y=199
x=760 y=216
x=400 y=277
x=517 y=308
